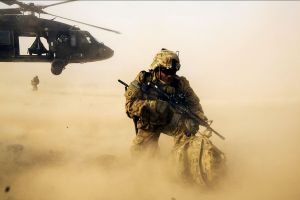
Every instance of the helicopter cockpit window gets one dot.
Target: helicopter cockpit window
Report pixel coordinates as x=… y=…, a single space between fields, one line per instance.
x=92 y=39
x=84 y=38
x=88 y=39
x=95 y=39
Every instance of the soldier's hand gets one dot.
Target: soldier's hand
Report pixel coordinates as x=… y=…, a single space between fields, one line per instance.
x=162 y=106
x=191 y=127
x=156 y=111
x=158 y=106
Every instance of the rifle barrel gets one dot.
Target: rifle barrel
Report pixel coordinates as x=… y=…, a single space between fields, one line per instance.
x=123 y=83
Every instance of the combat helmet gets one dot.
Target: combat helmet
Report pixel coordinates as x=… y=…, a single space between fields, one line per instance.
x=166 y=59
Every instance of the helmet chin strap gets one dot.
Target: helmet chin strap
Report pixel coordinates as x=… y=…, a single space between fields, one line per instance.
x=158 y=75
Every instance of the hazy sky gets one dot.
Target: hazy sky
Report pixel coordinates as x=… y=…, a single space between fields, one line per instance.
x=240 y=49
x=242 y=59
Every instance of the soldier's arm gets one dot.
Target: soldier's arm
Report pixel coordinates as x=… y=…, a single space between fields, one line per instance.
x=134 y=101
x=137 y=105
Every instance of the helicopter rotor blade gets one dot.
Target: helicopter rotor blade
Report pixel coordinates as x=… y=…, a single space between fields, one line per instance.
x=106 y=29
x=54 y=4
x=12 y=2
x=32 y=7
x=23 y=6
x=8 y=2
x=39 y=9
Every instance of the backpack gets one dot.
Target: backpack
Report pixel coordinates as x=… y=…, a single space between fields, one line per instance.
x=198 y=160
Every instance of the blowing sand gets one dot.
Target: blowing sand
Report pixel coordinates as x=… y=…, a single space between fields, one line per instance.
x=70 y=140
x=65 y=144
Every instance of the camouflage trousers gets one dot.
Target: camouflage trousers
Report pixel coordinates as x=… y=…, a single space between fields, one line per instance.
x=146 y=142
x=195 y=158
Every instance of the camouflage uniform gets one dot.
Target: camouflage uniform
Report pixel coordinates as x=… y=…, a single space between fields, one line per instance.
x=34 y=82
x=195 y=157
x=155 y=116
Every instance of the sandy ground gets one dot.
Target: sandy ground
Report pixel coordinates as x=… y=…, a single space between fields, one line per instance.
x=70 y=140
x=69 y=144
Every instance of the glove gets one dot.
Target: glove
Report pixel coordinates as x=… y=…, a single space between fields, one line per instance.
x=191 y=127
x=156 y=112
x=158 y=106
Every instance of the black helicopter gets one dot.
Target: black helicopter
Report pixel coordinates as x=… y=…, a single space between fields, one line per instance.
x=66 y=44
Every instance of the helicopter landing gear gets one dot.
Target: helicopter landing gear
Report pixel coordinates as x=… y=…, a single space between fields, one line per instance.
x=57 y=66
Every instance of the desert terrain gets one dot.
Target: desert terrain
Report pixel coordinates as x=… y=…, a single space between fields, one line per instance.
x=73 y=143
x=70 y=140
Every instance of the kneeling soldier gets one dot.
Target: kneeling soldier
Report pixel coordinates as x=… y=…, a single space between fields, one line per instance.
x=152 y=112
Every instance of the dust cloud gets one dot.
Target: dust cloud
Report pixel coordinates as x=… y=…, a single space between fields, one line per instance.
x=70 y=140
x=66 y=143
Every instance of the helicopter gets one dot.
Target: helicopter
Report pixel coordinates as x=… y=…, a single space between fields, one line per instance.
x=65 y=43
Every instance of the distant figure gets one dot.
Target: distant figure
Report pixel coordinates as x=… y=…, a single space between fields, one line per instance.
x=34 y=82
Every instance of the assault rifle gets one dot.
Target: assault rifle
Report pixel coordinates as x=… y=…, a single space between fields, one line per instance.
x=123 y=83
x=175 y=102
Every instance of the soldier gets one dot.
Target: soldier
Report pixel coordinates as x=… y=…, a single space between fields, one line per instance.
x=34 y=82
x=153 y=115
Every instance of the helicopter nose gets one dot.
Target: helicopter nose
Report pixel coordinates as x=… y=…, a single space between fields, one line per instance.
x=106 y=52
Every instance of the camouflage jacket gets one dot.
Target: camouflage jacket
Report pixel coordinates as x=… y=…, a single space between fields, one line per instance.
x=137 y=99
